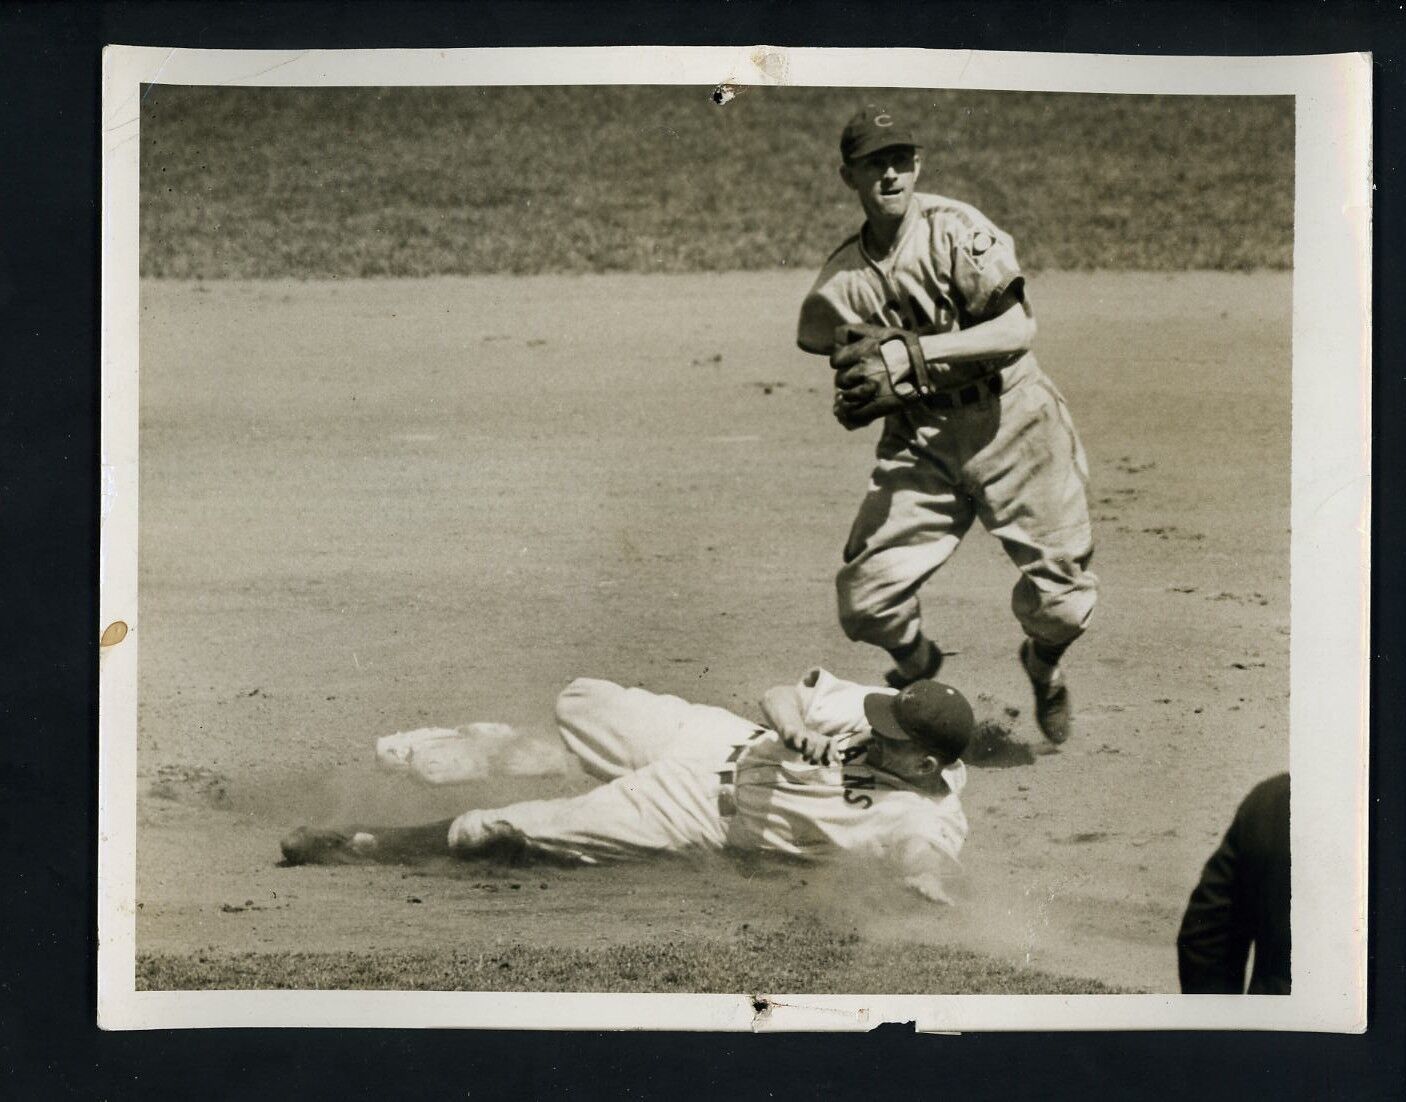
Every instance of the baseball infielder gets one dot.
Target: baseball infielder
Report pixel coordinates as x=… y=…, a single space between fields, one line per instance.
x=924 y=317
x=840 y=769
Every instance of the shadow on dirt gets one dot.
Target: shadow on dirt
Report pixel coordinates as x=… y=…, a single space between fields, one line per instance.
x=993 y=746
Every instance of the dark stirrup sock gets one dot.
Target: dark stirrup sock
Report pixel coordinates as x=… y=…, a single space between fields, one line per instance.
x=1048 y=653
x=919 y=658
x=425 y=840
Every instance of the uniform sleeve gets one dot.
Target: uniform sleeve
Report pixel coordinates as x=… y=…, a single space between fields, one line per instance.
x=833 y=707
x=1213 y=943
x=984 y=267
x=819 y=318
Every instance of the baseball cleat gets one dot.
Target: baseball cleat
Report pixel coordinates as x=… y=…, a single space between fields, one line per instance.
x=1053 y=711
x=328 y=846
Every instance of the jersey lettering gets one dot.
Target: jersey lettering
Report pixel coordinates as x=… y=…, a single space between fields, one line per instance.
x=854 y=782
x=911 y=315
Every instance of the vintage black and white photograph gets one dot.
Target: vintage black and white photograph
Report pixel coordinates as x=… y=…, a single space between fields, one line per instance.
x=742 y=536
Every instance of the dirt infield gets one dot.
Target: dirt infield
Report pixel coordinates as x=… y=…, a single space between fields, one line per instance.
x=370 y=506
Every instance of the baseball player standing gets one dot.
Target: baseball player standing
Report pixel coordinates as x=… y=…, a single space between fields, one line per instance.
x=924 y=316
x=841 y=769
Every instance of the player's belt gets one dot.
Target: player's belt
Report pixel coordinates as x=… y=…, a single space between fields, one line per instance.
x=727 y=776
x=997 y=381
x=968 y=395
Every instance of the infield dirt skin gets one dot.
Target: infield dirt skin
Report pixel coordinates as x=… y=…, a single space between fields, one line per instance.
x=378 y=505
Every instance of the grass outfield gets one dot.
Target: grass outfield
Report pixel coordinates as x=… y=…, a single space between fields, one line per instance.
x=809 y=960
x=323 y=182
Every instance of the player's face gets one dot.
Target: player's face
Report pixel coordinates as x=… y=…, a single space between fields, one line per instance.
x=884 y=180
x=903 y=758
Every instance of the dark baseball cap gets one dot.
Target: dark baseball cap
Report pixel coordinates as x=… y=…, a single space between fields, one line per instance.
x=935 y=716
x=873 y=128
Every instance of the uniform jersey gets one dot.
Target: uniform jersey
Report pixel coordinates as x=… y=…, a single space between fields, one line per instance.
x=786 y=805
x=950 y=267
x=1008 y=455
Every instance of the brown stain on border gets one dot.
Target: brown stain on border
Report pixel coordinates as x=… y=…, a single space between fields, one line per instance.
x=113 y=634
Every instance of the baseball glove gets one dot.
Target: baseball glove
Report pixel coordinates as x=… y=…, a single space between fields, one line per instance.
x=864 y=386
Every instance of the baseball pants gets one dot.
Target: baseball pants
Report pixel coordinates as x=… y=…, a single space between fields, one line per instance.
x=1014 y=462
x=660 y=756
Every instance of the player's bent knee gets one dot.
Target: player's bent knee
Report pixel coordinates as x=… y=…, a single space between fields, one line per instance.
x=860 y=625
x=583 y=699
x=852 y=623
x=870 y=614
x=588 y=721
x=1055 y=616
x=856 y=614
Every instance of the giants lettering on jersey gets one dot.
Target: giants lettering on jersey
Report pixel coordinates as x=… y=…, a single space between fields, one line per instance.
x=855 y=783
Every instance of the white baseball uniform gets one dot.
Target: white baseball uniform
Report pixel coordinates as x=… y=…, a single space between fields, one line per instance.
x=687 y=777
x=998 y=444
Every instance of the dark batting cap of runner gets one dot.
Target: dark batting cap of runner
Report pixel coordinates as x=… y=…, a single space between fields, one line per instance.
x=871 y=129
x=935 y=716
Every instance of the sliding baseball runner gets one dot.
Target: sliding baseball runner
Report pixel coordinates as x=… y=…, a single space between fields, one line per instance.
x=837 y=769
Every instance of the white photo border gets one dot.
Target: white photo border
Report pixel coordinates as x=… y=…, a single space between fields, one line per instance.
x=1329 y=556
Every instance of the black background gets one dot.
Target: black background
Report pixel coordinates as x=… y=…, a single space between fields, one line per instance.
x=49 y=410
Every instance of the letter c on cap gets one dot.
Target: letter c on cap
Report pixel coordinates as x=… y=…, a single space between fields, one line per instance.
x=883 y=120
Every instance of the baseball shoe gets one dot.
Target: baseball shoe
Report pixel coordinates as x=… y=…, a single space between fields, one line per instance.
x=328 y=846
x=1053 y=711
x=897 y=679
